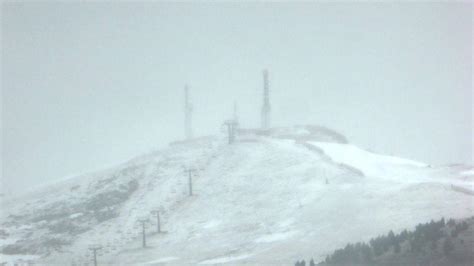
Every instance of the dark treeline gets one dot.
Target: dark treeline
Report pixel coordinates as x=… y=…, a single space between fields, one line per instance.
x=433 y=243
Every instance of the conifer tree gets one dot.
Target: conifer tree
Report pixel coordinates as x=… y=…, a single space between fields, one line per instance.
x=447 y=246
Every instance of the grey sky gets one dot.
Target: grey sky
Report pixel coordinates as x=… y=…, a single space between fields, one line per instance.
x=86 y=85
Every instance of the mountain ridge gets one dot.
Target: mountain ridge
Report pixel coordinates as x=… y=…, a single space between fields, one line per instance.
x=249 y=199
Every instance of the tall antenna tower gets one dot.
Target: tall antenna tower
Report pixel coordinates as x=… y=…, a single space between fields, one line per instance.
x=235 y=115
x=188 y=110
x=266 y=102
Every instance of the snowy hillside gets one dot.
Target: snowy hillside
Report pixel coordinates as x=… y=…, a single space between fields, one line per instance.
x=266 y=199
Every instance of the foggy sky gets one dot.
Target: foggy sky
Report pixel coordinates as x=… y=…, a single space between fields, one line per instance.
x=88 y=85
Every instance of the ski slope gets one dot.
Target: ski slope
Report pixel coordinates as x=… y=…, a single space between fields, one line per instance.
x=370 y=163
x=262 y=200
x=378 y=166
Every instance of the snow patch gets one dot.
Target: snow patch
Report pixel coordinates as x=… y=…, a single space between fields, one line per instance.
x=75 y=215
x=371 y=164
x=468 y=173
x=274 y=237
x=161 y=260
x=225 y=259
x=17 y=259
x=211 y=224
x=286 y=223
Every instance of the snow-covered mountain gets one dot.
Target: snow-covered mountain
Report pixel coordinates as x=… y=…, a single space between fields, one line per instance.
x=269 y=198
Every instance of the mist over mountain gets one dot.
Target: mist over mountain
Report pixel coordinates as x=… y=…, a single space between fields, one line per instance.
x=172 y=133
x=88 y=85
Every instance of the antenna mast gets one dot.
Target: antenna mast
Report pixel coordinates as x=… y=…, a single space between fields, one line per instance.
x=236 y=116
x=266 y=102
x=188 y=109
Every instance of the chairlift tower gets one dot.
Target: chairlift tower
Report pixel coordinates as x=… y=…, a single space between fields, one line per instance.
x=231 y=125
x=190 y=172
x=94 y=249
x=143 y=222
x=158 y=225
